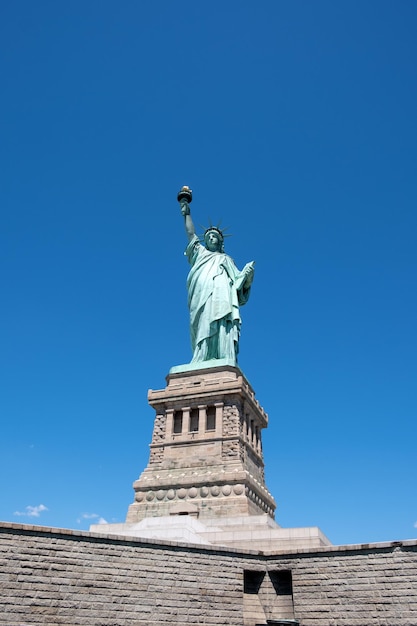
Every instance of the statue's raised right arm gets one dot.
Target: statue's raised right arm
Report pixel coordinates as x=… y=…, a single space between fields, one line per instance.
x=189 y=225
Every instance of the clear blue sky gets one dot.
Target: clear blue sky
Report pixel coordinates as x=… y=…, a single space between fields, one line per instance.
x=295 y=123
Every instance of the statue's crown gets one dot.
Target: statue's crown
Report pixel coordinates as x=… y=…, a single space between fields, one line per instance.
x=215 y=229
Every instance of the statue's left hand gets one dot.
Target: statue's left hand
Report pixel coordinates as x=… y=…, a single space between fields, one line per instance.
x=249 y=270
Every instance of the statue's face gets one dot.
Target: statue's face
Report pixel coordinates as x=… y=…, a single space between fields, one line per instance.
x=212 y=240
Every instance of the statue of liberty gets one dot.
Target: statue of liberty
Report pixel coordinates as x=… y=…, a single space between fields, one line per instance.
x=216 y=290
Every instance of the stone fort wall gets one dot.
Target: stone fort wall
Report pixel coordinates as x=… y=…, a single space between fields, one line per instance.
x=60 y=577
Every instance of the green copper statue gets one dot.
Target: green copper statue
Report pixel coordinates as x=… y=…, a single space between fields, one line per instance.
x=216 y=289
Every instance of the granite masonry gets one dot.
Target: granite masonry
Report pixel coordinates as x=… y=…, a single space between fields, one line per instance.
x=54 y=577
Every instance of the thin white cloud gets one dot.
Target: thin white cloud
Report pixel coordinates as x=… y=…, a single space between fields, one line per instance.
x=415 y=524
x=92 y=516
x=32 y=511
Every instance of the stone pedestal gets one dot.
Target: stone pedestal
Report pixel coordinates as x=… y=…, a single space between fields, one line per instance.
x=206 y=455
x=205 y=482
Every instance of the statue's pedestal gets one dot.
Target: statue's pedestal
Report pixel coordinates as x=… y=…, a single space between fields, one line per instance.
x=205 y=480
x=206 y=456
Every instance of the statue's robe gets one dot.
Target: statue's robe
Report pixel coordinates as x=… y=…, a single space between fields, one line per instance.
x=215 y=292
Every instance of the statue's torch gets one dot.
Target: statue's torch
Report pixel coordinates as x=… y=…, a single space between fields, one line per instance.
x=184 y=197
x=185 y=193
